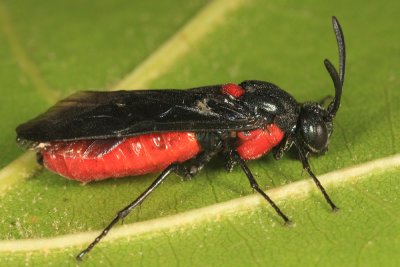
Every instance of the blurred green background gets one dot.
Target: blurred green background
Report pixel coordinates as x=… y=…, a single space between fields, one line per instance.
x=49 y=49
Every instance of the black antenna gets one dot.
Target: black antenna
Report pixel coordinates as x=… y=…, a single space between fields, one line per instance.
x=338 y=79
x=341 y=46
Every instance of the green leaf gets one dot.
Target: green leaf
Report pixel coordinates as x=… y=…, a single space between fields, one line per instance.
x=50 y=49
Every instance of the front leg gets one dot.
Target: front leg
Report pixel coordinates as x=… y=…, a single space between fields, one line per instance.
x=283 y=146
x=255 y=186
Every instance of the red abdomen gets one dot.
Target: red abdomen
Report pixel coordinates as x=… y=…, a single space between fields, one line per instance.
x=254 y=144
x=88 y=160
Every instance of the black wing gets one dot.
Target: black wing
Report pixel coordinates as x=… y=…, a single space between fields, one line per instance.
x=100 y=115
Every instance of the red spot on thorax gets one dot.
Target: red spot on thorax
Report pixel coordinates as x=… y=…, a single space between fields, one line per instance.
x=233 y=89
x=83 y=160
x=254 y=144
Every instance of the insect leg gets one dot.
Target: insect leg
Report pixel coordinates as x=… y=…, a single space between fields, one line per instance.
x=125 y=211
x=282 y=147
x=191 y=168
x=307 y=167
x=255 y=186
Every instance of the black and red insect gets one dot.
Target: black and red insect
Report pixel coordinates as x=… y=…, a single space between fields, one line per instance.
x=98 y=135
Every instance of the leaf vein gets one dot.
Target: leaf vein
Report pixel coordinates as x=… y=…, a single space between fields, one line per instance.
x=175 y=222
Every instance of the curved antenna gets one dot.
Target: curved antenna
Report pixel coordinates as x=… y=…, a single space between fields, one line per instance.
x=341 y=46
x=334 y=106
x=337 y=78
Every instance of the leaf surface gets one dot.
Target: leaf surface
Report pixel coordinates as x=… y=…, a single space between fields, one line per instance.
x=52 y=49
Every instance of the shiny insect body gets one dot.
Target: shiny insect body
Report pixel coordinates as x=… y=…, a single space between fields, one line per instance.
x=97 y=135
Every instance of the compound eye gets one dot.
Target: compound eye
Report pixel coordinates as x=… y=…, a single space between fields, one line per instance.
x=315 y=136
